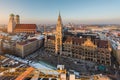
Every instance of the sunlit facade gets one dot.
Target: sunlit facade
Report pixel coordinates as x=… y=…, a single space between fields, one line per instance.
x=91 y=49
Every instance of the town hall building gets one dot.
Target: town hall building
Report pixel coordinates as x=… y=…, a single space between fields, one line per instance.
x=85 y=48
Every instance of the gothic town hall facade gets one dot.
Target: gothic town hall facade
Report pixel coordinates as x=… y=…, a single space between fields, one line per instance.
x=84 y=48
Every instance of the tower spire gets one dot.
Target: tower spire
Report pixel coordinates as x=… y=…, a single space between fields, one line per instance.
x=59 y=19
x=58 y=36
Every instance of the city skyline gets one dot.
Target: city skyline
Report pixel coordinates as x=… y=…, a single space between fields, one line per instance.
x=76 y=11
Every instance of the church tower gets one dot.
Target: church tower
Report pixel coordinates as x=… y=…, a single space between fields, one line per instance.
x=17 y=19
x=58 y=36
x=11 y=24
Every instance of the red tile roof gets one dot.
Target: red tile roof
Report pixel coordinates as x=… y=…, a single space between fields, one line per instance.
x=67 y=39
x=32 y=39
x=101 y=43
x=118 y=34
x=25 y=26
x=1 y=36
x=79 y=41
x=25 y=42
x=22 y=43
x=51 y=37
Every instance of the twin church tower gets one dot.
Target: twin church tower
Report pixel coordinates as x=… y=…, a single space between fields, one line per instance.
x=13 y=20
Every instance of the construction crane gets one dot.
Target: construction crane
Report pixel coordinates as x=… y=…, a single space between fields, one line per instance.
x=22 y=73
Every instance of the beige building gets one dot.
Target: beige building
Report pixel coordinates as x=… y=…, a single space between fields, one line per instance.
x=91 y=49
x=12 y=23
x=25 y=48
x=116 y=53
x=118 y=56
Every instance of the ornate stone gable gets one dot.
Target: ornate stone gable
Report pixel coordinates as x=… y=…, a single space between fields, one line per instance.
x=89 y=43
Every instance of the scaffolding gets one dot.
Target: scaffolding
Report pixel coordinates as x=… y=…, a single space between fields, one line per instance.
x=30 y=72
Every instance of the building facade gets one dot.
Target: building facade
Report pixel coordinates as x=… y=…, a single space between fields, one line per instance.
x=27 y=47
x=85 y=48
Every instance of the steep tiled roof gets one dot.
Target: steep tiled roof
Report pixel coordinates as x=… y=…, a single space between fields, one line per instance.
x=26 y=42
x=76 y=40
x=101 y=43
x=25 y=26
x=67 y=39
x=51 y=37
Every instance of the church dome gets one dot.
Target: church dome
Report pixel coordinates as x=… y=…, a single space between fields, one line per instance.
x=12 y=14
x=17 y=15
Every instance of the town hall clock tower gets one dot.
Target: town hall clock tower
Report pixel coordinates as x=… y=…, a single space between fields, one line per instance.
x=58 y=36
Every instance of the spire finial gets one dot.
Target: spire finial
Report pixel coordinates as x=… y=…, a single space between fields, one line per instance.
x=59 y=17
x=59 y=13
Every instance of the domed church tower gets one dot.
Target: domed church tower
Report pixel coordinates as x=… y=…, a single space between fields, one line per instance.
x=17 y=19
x=11 y=24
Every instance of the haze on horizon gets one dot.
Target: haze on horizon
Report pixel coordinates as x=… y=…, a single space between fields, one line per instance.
x=76 y=11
